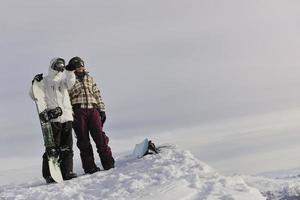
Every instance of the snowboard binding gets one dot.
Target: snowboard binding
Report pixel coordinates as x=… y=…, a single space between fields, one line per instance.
x=47 y=115
x=52 y=152
x=151 y=148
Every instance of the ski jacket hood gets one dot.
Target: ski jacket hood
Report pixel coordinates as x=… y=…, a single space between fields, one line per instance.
x=52 y=74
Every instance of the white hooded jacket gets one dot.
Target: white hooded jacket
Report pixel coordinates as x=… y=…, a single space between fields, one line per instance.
x=56 y=86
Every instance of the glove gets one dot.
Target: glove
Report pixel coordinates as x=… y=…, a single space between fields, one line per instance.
x=70 y=67
x=103 y=116
x=38 y=78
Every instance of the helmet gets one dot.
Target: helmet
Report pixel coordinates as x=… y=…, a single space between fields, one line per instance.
x=58 y=64
x=76 y=62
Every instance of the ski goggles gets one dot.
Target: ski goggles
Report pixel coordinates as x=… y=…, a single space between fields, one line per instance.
x=59 y=66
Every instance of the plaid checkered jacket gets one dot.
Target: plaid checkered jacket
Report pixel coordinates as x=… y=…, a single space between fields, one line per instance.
x=86 y=94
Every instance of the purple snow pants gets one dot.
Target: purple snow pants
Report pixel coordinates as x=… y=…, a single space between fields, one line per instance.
x=87 y=122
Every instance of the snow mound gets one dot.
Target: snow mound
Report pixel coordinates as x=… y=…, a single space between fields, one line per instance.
x=171 y=174
x=276 y=188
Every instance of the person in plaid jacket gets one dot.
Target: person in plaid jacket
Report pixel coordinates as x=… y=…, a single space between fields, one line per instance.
x=89 y=117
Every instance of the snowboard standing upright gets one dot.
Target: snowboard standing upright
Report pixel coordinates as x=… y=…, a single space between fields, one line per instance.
x=45 y=115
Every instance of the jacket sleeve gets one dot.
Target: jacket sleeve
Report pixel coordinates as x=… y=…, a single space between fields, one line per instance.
x=98 y=97
x=70 y=79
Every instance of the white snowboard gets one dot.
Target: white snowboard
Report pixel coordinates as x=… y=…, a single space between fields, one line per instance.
x=141 y=148
x=53 y=161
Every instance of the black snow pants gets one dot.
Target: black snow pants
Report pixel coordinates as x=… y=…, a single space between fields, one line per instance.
x=62 y=133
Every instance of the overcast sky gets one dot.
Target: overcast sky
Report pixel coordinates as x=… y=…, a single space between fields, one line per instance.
x=161 y=65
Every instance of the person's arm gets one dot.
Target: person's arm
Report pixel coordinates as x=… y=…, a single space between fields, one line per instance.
x=100 y=103
x=98 y=97
x=69 y=80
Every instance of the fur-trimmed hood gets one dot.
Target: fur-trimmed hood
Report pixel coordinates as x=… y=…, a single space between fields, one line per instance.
x=52 y=74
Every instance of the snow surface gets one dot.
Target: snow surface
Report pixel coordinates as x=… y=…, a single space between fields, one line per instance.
x=171 y=174
x=276 y=188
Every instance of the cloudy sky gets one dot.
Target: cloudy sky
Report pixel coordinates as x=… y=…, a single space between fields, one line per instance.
x=161 y=65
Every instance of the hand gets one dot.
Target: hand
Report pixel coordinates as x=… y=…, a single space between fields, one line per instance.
x=70 y=67
x=103 y=116
x=38 y=78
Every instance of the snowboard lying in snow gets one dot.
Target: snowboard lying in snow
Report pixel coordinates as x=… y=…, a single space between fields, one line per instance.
x=144 y=148
x=45 y=115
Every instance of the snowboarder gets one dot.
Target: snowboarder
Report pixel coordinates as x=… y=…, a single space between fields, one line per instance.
x=56 y=85
x=89 y=117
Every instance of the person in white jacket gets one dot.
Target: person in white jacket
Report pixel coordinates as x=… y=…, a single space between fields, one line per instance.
x=56 y=85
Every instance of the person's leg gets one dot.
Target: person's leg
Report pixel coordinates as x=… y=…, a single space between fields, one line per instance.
x=66 y=151
x=101 y=140
x=45 y=168
x=83 y=140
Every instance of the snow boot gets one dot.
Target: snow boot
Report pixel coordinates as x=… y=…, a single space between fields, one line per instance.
x=49 y=179
x=69 y=176
x=94 y=170
x=107 y=162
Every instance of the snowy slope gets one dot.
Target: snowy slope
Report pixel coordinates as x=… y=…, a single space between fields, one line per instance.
x=172 y=174
x=277 y=185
